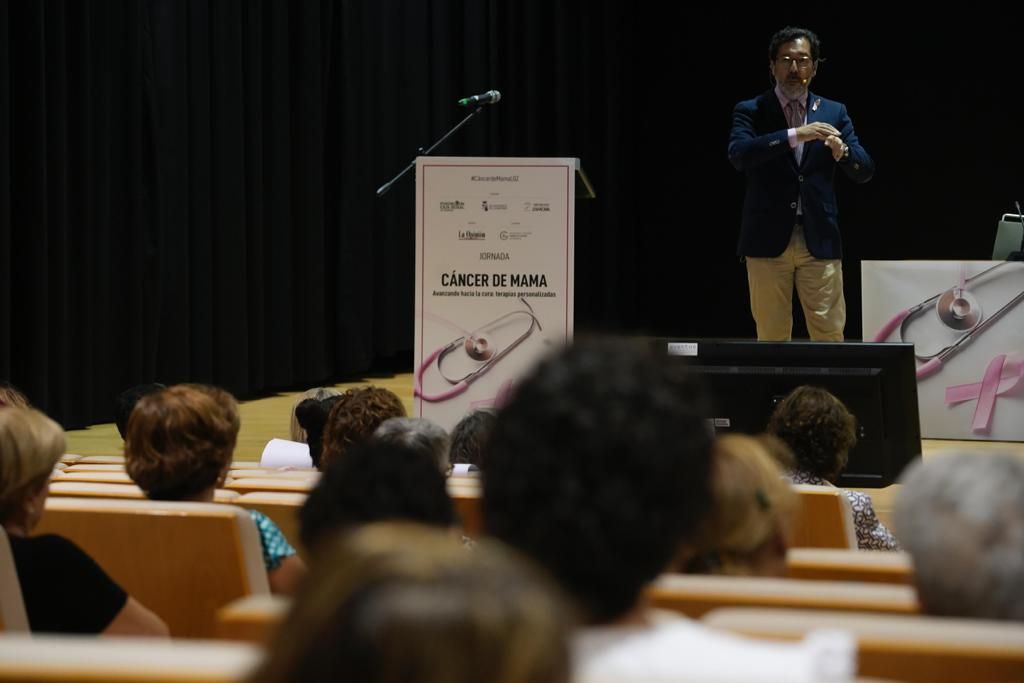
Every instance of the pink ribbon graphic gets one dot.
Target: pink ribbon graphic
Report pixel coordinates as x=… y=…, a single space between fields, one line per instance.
x=1003 y=374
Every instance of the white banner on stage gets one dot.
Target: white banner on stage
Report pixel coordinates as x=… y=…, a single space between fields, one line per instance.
x=494 y=274
x=966 y=321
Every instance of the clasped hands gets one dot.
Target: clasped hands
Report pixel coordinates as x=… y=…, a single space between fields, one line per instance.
x=823 y=131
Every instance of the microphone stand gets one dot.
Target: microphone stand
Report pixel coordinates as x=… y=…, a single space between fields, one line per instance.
x=423 y=152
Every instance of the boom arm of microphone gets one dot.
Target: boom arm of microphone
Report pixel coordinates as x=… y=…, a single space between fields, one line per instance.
x=1019 y=254
x=493 y=96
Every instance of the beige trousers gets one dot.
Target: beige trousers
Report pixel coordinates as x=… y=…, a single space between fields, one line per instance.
x=819 y=284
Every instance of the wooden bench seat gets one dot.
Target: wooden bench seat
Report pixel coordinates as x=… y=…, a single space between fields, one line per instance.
x=182 y=560
x=695 y=595
x=916 y=649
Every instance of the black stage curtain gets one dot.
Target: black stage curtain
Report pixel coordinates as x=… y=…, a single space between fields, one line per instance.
x=187 y=187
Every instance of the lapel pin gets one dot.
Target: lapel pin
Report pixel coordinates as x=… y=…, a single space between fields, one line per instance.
x=817 y=101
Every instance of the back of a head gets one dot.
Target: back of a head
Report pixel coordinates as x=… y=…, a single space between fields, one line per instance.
x=598 y=469
x=311 y=415
x=125 y=403
x=30 y=445
x=752 y=510
x=296 y=431
x=393 y=603
x=355 y=416
x=418 y=434
x=961 y=518
x=180 y=441
x=469 y=437
x=11 y=396
x=818 y=428
x=376 y=481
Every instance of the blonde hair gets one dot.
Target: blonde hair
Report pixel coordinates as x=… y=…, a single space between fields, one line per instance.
x=295 y=430
x=398 y=602
x=9 y=395
x=753 y=506
x=30 y=445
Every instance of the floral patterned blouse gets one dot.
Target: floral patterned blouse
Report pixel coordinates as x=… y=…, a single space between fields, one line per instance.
x=871 y=533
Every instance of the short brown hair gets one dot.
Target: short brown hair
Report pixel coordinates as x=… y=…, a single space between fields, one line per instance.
x=180 y=440
x=30 y=445
x=355 y=417
x=818 y=428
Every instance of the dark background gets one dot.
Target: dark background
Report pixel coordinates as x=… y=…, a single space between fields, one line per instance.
x=187 y=188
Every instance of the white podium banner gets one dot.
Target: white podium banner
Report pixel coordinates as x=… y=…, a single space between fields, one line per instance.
x=966 y=321
x=494 y=274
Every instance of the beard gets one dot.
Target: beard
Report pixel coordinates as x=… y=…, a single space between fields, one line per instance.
x=793 y=88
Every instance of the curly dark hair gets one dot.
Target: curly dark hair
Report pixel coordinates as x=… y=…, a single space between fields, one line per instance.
x=180 y=440
x=598 y=469
x=818 y=428
x=376 y=481
x=469 y=436
x=788 y=35
x=355 y=416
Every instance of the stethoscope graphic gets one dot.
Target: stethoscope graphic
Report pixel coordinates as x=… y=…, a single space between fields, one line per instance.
x=957 y=309
x=480 y=347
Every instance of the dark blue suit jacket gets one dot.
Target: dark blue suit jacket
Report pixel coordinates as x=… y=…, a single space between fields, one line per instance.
x=759 y=146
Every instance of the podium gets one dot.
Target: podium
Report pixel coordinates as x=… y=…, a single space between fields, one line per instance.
x=494 y=275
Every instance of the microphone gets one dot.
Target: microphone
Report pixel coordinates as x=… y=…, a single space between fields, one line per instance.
x=489 y=97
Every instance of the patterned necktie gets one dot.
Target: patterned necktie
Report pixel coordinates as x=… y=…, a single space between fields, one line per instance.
x=795 y=117
x=795 y=113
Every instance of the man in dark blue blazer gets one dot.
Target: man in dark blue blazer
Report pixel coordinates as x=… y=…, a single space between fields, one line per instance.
x=789 y=143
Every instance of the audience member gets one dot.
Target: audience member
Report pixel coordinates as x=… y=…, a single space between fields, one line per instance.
x=179 y=446
x=820 y=431
x=296 y=432
x=418 y=434
x=396 y=603
x=469 y=437
x=311 y=416
x=376 y=481
x=751 y=516
x=961 y=518
x=125 y=403
x=64 y=590
x=598 y=468
x=10 y=395
x=354 y=418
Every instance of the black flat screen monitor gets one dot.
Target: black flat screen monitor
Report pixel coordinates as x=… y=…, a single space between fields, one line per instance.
x=746 y=379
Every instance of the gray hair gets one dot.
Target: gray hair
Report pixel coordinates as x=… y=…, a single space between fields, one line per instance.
x=418 y=434
x=961 y=518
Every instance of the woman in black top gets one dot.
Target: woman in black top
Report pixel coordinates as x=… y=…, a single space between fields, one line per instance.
x=64 y=590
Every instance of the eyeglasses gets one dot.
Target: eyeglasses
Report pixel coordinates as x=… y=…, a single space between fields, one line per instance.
x=801 y=62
